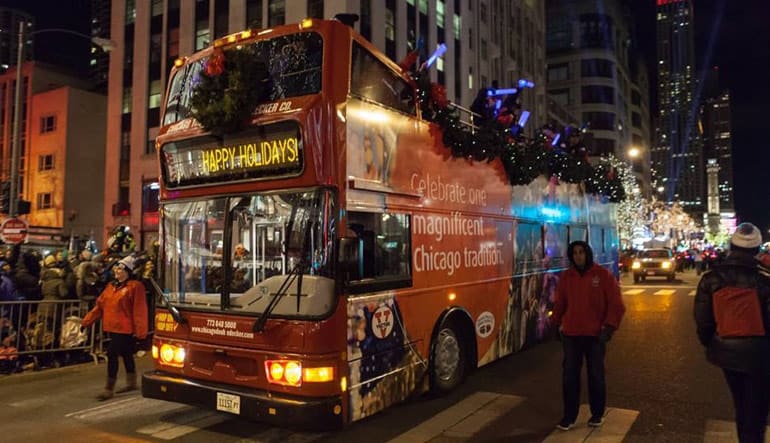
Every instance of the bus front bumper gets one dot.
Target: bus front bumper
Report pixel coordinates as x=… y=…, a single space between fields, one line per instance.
x=276 y=409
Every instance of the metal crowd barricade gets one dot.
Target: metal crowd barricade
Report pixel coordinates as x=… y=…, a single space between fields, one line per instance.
x=45 y=330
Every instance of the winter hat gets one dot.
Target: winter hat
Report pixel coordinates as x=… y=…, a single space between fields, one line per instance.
x=128 y=262
x=746 y=236
x=49 y=261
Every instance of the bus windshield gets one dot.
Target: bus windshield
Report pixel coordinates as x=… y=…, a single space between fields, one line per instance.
x=270 y=235
x=293 y=62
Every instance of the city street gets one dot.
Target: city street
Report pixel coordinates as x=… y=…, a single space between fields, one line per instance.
x=660 y=390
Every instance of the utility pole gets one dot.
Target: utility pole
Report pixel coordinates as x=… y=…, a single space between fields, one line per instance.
x=14 y=176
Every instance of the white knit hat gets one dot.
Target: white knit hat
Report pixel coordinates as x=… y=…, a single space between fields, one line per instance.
x=129 y=262
x=746 y=236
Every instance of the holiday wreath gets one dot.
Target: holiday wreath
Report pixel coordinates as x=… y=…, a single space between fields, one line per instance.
x=229 y=88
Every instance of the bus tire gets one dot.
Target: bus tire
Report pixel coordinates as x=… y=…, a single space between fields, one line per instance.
x=448 y=359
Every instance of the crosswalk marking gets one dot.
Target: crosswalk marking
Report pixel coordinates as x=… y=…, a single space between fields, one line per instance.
x=118 y=408
x=665 y=292
x=183 y=424
x=633 y=291
x=722 y=431
x=463 y=419
x=617 y=423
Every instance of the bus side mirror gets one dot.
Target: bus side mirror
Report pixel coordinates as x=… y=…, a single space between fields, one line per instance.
x=350 y=259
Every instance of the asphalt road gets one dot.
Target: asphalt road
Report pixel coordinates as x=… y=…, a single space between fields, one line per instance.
x=660 y=390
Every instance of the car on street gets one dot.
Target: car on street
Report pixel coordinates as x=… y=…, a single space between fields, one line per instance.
x=658 y=262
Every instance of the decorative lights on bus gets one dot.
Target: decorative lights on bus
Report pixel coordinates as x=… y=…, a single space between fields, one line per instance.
x=306 y=23
x=168 y=354
x=452 y=296
x=179 y=62
x=291 y=373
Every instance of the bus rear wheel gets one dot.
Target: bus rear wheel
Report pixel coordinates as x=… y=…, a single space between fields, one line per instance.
x=448 y=360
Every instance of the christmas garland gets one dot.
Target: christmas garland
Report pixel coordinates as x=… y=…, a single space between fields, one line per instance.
x=229 y=88
x=523 y=159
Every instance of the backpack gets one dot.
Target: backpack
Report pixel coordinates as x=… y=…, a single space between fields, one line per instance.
x=738 y=312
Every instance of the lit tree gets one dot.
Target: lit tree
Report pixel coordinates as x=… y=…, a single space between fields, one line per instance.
x=631 y=211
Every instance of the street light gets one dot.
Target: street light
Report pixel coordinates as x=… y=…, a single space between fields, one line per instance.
x=106 y=45
x=633 y=152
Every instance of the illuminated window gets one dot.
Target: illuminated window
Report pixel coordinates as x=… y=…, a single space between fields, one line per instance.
x=155 y=94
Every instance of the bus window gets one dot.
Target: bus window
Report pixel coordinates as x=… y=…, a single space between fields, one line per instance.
x=529 y=247
x=577 y=233
x=373 y=80
x=383 y=250
x=293 y=61
x=193 y=250
x=556 y=245
x=596 y=240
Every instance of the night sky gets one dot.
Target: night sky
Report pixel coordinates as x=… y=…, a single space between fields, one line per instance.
x=739 y=29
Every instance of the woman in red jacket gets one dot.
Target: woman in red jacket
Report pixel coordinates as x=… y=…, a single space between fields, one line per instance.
x=122 y=306
x=587 y=310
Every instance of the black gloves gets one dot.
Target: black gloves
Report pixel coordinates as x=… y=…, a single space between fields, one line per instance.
x=606 y=334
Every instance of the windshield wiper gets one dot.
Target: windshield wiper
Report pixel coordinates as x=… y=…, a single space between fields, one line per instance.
x=171 y=308
x=295 y=272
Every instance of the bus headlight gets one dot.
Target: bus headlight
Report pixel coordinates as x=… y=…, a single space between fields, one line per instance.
x=291 y=373
x=666 y=264
x=636 y=265
x=170 y=355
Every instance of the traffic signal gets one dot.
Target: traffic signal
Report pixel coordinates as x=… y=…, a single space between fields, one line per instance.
x=5 y=197
x=23 y=207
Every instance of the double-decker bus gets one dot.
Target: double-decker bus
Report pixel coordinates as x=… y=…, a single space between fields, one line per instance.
x=333 y=258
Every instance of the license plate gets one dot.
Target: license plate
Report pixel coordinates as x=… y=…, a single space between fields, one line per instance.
x=228 y=403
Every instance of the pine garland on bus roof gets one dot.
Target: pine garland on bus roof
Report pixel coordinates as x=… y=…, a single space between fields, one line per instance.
x=523 y=159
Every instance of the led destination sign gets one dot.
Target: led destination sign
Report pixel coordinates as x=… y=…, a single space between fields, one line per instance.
x=270 y=150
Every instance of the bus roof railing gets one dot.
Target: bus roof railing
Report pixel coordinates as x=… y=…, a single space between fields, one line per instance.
x=466 y=116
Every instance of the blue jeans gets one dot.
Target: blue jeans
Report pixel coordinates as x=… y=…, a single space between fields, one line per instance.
x=576 y=348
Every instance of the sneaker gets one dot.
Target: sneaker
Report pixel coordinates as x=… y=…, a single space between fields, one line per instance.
x=565 y=425
x=596 y=421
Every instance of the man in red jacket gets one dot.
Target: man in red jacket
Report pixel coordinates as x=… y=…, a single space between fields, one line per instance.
x=588 y=309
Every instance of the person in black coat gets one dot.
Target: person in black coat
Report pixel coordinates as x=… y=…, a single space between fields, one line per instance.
x=733 y=342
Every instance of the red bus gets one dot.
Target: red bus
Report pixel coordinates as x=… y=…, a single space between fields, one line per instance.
x=332 y=258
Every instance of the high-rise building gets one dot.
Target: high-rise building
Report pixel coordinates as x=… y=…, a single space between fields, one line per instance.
x=677 y=157
x=9 y=36
x=717 y=144
x=596 y=73
x=486 y=41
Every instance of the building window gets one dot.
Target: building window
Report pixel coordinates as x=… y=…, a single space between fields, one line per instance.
x=603 y=121
x=440 y=13
x=458 y=26
x=276 y=12
x=636 y=98
x=45 y=162
x=202 y=34
x=483 y=49
x=596 y=67
x=47 y=124
x=561 y=96
x=315 y=8
x=598 y=94
x=558 y=72
x=157 y=7
x=254 y=13
x=155 y=94
x=130 y=11
x=636 y=120
x=44 y=200
x=483 y=12
x=126 y=99
x=149 y=148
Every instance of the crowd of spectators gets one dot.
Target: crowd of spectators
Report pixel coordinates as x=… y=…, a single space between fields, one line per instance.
x=28 y=276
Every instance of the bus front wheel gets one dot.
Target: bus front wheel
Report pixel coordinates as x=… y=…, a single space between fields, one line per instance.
x=448 y=359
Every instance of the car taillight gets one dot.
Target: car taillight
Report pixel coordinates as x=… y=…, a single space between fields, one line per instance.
x=291 y=373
